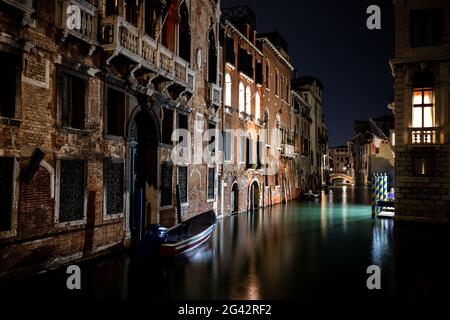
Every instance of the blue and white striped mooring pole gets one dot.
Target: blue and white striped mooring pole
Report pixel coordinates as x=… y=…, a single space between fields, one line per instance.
x=379 y=189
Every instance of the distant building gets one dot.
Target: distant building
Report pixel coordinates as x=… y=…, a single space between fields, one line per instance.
x=371 y=149
x=339 y=159
x=421 y=69
x=310 y=89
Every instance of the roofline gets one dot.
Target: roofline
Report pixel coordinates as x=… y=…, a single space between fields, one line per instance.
x=277 y=52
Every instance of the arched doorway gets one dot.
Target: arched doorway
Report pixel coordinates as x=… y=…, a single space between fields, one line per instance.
x=254 y=196
x=143 y=155
x=234 y=198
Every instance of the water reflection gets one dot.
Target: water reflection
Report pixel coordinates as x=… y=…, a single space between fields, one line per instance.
x=302 y=250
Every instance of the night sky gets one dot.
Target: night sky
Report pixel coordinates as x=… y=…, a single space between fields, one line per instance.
x=329 y=39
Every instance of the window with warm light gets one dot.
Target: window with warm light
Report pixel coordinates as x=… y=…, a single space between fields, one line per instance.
x=227 y=89
x=423 y=108
x=241 y=97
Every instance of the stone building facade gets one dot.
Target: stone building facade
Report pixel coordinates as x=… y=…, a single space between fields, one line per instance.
x=372 y=150
x=340 y=159
x=257 y=116
x=91 y=93
x=303 y=121
x=310 y=89
x=421 y=69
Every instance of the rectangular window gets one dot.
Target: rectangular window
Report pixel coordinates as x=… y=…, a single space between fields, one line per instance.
x=167 y=126
x=115 y=113
x=277 y=182
x=259 y=73
x=182 y=182
x=426 y=27
x=211 y=180
x=6 y=192
x=183 y=124
x=113 y=186
x=228 y=145
x=423 y=108
x=132 y=11
x=111 y=8
x=423 y=167
x=166 y=183
x=245 y=62
x=72 y=190
x=212 y=138
x=230 y=56
x=242 y=148
x=72 y=100
x=8 y=82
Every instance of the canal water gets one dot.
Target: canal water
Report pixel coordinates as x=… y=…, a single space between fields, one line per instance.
x=301 y=250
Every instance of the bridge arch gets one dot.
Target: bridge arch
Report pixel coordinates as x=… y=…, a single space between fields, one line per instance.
x=343 y=176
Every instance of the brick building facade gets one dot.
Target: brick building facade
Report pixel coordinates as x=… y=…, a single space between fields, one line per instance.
x=87 y=112
x=257 y=116
x=91 y=95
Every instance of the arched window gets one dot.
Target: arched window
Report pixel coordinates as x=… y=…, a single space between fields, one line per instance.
x=248 y=100
x=168 y=30
x=277 y=83
x=278 y=130
x=241 y=97
x=267 y=74
x=212 y=58
x=227 y=89
x=257 y=106
x=184 y=43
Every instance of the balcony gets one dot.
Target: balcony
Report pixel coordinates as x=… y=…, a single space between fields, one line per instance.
x=120 y=37
x=87 y=28
x=214 y=95
x=26 y=6
x=423 y=136
x=288 y=150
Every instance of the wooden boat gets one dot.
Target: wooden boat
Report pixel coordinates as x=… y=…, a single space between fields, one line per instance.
x=310 y=196
x=188 y=235
x=180 y=239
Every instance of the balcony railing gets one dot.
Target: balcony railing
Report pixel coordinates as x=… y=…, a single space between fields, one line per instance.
x=214 y=94
x=87 y=28
x=119 y=36
x=288 y=150
x=423 y=136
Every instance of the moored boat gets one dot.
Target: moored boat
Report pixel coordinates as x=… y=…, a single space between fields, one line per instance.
x=181 y=238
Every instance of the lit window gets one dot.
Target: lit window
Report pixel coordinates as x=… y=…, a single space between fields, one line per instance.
x=248 y=101
x=423 y=108
x=241 y=97
x=257 y=106
x=227 y=90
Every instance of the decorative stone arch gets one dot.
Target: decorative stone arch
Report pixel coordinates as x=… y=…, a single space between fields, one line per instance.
x=51 y=171
x=184 y=30
x=234 y=197
x=212 y=54
x=142 y=169
x=254 y=195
